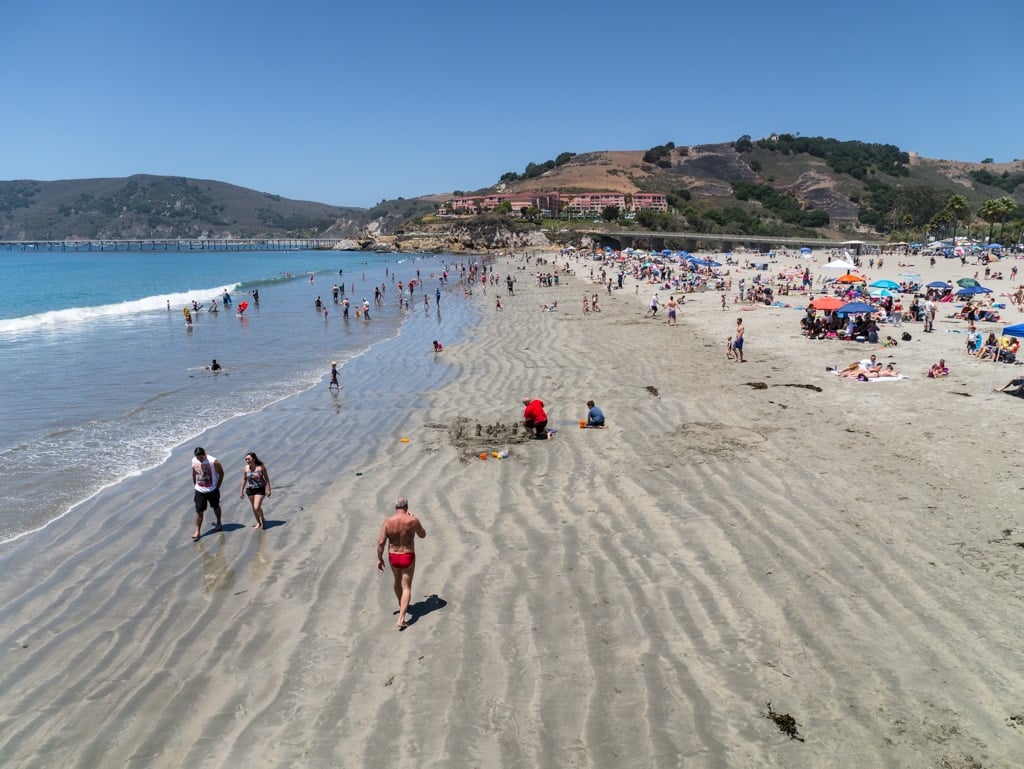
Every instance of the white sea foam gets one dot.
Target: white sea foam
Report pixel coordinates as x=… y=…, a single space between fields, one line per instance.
x=54 y=318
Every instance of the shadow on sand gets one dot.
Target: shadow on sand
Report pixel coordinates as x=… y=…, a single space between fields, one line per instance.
x=422 y=608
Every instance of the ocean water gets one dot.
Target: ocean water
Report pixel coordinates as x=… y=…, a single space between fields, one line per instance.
x=100 y=376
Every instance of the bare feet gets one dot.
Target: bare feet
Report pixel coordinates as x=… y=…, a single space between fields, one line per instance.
x=195 y=537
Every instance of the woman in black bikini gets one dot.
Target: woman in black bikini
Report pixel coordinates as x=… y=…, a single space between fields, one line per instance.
x=255 y=485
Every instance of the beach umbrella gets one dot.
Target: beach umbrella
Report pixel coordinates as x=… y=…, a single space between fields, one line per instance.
x=995 y=246
x=1017 y=330
x=939 y=284
x=855 y=307
x=827 y=303
x=880 y=292
x=851 y=278
x=967 y=283
x=713 y=263
x=972 y=290
x=885 y=284
x=805 y=250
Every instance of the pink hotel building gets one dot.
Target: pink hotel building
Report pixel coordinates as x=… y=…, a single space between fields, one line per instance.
x=552 y=203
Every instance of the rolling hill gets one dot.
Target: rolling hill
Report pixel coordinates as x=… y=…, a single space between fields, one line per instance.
x=782 y=185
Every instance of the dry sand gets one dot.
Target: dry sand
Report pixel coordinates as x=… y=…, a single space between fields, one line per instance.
x=628 y=597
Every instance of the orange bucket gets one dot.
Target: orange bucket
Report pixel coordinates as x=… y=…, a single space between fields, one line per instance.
x=583 y=423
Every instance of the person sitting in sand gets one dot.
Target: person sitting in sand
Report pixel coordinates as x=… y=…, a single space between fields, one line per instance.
x=1017 y=382
x=889 y=342
x=438 y=347
x=938 y=370
x=595 y=417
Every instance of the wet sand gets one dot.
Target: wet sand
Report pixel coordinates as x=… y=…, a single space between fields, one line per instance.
x=632 y=596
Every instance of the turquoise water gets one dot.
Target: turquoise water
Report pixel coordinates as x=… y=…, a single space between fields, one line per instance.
x=101 y=376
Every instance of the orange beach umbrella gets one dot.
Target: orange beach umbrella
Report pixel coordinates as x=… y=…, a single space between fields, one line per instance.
x=828 y=303
x=851 y=278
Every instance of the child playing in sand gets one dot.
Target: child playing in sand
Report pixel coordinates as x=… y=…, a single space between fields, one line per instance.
x=728 y=349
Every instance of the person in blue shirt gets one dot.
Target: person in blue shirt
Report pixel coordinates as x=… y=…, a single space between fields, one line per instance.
x=595 y=417
x=437 y=297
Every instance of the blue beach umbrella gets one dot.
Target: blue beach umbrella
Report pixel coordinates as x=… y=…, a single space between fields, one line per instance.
x=996 y=246
x=939 y=284
x=1017 y=330
x=805 y=250
x=852 y=308
x=891 y=284
x=713 y=263
x=880 y=292
x=972 y=290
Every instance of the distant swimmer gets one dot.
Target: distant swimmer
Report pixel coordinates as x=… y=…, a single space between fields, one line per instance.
x=213 y=305
x=215 y=366
x=188 y=315
x=334 y=377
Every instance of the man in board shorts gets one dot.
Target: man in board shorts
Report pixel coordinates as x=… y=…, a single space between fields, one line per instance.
x=737 y=342
x=207 y=475
x=399 y=533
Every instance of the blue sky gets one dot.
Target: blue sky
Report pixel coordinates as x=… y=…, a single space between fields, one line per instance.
x=350 y=105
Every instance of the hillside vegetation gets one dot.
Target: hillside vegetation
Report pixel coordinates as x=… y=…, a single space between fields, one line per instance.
x=784 y=185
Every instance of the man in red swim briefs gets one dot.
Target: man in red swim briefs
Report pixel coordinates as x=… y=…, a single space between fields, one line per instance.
x=399 y=533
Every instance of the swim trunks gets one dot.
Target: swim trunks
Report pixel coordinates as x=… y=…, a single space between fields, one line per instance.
x=401 y=560
x=738 y=344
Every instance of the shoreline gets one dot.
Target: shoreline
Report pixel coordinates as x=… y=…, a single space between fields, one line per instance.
x=718 y=546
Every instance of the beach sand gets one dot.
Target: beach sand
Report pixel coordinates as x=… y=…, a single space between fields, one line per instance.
x=740 y=534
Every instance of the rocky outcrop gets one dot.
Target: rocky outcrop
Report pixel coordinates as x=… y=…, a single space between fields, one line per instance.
x=478 y=237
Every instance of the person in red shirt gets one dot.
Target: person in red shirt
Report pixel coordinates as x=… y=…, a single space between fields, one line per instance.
x=535 y=418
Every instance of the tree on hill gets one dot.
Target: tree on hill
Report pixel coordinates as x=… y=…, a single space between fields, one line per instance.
x=996 y=210
x=958 y=211
x=661 y=155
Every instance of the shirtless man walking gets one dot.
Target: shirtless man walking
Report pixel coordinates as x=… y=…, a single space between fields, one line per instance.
x=399 y=533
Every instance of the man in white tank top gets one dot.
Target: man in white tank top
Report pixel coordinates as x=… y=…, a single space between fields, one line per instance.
x=207 y=475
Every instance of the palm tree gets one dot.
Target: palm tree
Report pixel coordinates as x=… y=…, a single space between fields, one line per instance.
x=958 y=210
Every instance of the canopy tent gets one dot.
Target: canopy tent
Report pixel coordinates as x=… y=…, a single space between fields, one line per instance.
x=839 y=264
